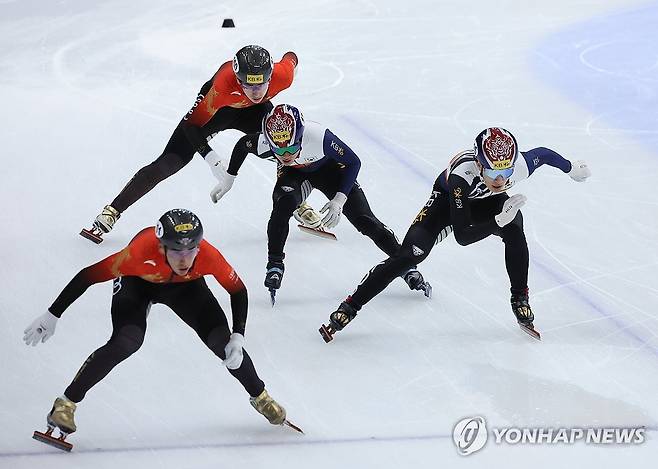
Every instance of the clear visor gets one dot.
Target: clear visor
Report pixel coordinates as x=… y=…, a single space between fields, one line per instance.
x=494 y=173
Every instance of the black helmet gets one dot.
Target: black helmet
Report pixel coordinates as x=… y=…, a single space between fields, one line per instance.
x=179 y=230
x=253 y=65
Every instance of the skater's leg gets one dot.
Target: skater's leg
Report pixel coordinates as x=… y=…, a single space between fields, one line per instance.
x=415 y=248
x=195 y=304
x=513 y=236
x=516 y=258
x=176 y=155
x=286 y=197
x=130 y=305
x=358 y=212
x=429 y=225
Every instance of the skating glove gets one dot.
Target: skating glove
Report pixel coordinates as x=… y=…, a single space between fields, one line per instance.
x=41 y=329
x=233 y=351
x=219 y=168
x=510 y=209
x=223 y=187
x=579 y=171
x=333 y=208
x=218 y=165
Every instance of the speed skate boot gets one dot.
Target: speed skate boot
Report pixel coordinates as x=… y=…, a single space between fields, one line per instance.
x=60 y=417
x=273 y=278
x=269 y=408
x=523 y=312
x=307 y=216
x=416 y=281
x=310 y=222
x=106 y=219
x=338 y=320
x=103 y=223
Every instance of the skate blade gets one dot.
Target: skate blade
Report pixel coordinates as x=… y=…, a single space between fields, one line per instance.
x=48 y=439
x=318 y=232
x=427 y=290
x=273 y=296
x=327 y=333
x=530 y=330
x=91 y=235
x=293 y=426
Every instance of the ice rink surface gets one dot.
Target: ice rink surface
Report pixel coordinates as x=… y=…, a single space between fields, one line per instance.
x=90 y=93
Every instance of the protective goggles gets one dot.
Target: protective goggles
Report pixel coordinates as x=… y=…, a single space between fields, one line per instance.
x=292 y=149
x=494 y=173
x=182 y=254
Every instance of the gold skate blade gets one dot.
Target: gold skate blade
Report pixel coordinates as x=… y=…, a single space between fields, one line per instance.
x=530 y=330
x=48 y=439
x=91 y=235
x=293 y=426
x=318 y=232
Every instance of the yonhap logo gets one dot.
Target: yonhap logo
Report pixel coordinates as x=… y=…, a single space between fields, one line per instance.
x=470 y=435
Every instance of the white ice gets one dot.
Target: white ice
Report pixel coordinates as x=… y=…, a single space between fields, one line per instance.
x=90 y=92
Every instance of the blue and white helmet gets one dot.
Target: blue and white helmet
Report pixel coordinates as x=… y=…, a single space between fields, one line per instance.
x=497 y=151
x=283 y=128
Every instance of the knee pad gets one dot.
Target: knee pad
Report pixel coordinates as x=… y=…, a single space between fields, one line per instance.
x=217 y=340
x=128 y=340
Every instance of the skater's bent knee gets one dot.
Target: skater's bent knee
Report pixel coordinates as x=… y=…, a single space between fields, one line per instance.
x=128 y=340
x=400 y=263
x=217 y=340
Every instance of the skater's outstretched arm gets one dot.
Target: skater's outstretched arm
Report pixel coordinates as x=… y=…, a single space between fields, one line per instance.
x=578 y=170
x=102 y=271
x=214 y=263
x=245 y=145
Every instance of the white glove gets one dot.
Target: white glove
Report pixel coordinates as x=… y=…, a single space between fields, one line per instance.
x=333 y=208
x=579 y=171
x=225 y=184
x=41 y=329
x=233 y=351
x=510 y=209
x=218 y=165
